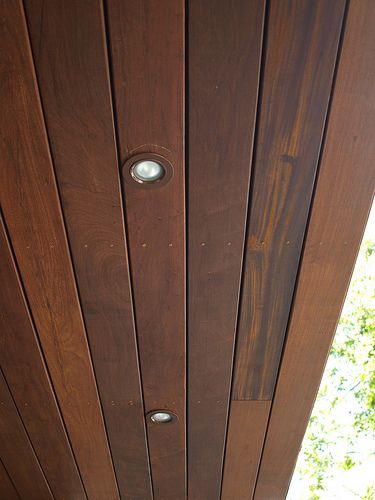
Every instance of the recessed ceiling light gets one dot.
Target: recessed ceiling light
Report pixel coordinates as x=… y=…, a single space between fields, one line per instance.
x=161 y=417
x=147 y=171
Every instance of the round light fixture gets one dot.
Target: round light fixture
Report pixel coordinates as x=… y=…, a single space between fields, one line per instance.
x=161 y=417
x=147 y=171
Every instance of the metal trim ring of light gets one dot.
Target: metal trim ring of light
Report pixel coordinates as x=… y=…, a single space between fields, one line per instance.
x=147 y=170
x=159 y=417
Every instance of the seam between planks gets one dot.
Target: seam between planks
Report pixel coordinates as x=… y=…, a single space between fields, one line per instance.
x=67 y=242
x=246 y=226
x=39 y=346
x=27 y=436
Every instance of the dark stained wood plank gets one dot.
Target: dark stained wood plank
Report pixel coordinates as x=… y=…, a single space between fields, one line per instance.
x=246 y=431
x=7 y=489
x=16 y=451
x=341 y=203
x=24 y=369
x=32 y=213
x=302 y=41
x=225 y=41
x=71 y=62
x=147 y=41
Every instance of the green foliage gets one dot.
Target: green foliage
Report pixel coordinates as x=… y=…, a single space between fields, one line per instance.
x=343 y=419
x=370 y=493
x=347 y=463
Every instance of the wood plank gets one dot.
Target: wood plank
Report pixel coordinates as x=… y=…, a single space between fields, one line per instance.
x=302 y=41
x=32 y=212
x=70 y=57
x=24 y=369
x=7 y=489
x=224 y=60
x=340 y=208
x=147 y=41
x=16 y=451
x=246 y=431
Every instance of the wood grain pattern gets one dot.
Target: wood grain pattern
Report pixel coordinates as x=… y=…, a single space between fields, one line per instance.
x=70 y=57
x=224 y=59
x=7 y=488
x=302 y=43
x=37 y=235
x=24 y=369
x=16 y=451
x=341 y=203
x=147 y=41
x=246 y=431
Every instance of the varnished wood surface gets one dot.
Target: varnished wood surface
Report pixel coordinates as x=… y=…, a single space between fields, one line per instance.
x=22 y=363
x=224 y=59
x=341 y=203
x=301 y=47
x=147 y=50
x=96 y=286
x=16 y=451
x=246 y=430
x=32 y=214
x=7 y=488
x=71 y=63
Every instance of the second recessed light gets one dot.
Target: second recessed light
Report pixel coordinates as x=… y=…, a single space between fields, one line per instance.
x=161 y=417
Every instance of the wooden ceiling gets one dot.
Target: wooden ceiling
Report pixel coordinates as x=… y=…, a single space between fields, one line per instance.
x=214 y=295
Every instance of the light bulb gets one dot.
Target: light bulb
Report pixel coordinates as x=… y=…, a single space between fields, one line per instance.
x=161 y=417
x=147 y=171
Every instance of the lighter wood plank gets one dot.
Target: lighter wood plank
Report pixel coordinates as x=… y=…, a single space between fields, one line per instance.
x=246 y=431
x=68 y=42
x=225 y=41
x=340 y=208
x=23 y=365
x=301 y=48
x=32 y=212
x=16 y=451
x=147 y=41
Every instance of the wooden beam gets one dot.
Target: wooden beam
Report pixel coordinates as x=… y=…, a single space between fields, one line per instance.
x=16 y=451
x=301 y=48
x=224 y=59
x=23 y=366
x=147 y=41
x=246 y=431
x=71 y=62
x=31 y=208
x=340 y=208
